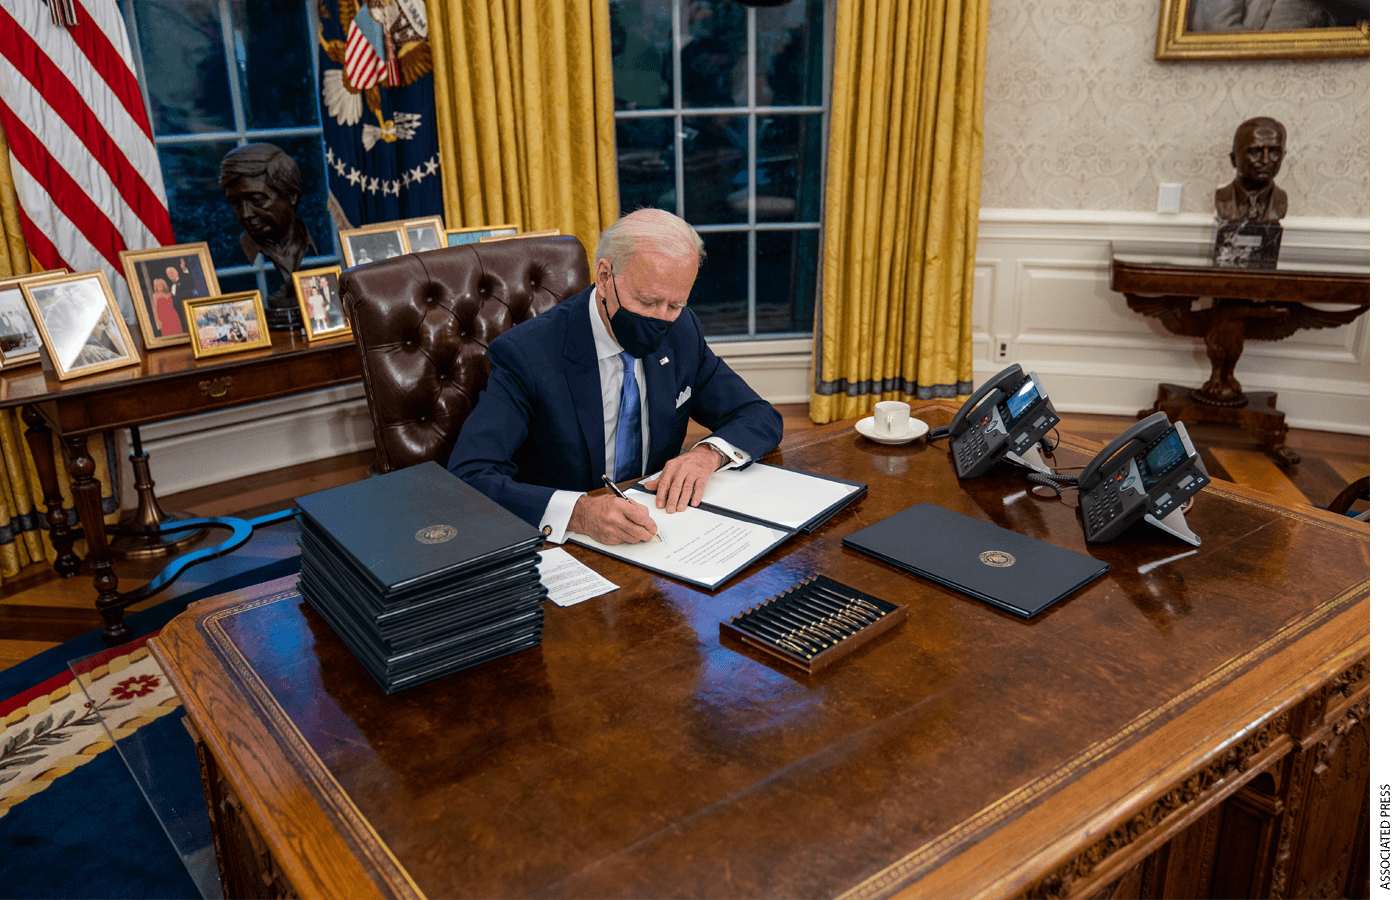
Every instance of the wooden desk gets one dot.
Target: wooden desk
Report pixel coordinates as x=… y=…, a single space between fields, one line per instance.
x=169 y=383
x=1192 y=724
x=1253 y=304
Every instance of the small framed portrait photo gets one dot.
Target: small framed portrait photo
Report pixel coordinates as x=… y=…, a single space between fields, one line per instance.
x=80 y=324
x=161 y=279
x=19 y=336
x=425 y=234
x=458 y=236
x=227 y=323
x=548 y=232
x=318 y=295
x=373 y=243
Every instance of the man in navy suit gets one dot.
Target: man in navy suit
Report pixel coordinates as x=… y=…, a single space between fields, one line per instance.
x=560 y=409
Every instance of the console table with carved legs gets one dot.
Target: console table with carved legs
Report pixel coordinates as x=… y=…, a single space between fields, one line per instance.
x=1245 y=304
x=168 y=384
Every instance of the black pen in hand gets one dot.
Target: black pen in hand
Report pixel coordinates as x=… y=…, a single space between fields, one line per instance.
x=612 y=486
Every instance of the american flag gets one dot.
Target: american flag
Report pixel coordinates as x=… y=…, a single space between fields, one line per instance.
x=81 y=150
x=366 y=59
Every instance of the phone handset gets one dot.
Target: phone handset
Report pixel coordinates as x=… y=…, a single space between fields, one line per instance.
x=1005 y=381
x=1121 y=449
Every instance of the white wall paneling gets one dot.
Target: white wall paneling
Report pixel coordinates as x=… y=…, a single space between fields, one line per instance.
x=1042 y=290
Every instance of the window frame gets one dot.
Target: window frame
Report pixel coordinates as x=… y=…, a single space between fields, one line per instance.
x=677 y=113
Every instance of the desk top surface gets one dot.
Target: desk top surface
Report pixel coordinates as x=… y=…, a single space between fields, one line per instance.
x=636 y=753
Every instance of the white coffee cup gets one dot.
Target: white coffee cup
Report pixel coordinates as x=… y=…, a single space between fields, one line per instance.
x=892 y=417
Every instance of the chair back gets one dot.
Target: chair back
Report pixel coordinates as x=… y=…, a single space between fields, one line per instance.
x=422 y=323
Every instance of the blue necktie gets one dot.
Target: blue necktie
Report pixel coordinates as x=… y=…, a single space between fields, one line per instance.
x=628 y=452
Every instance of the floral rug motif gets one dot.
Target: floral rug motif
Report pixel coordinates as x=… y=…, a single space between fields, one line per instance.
x=53 y=728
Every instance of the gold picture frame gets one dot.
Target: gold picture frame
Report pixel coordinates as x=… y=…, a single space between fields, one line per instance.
x=20 y=341
x=1177 y=41
x=373 y=243
x=318 y=297
x=60 y=304
x=426 y=233
x=161 y=279
x=548 y=232
x=227 y=323
x=456 y=237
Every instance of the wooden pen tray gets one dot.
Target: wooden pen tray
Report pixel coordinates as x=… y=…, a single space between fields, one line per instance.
x=814 y=624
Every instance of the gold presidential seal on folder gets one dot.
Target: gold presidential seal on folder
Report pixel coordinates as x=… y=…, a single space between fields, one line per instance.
x=435 y=534
x=999 y=558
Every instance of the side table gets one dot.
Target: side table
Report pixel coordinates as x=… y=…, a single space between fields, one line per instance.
x=1248 y=304
x=168 y=384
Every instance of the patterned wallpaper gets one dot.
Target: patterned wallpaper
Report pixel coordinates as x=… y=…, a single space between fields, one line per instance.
x=1079 y=116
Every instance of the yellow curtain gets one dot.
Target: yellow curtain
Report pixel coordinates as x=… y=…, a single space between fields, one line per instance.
x=904 y=169
x=525 y=113
x=24 y=534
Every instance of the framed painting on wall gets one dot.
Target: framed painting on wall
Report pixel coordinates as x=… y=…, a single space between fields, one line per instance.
x=1264 y=29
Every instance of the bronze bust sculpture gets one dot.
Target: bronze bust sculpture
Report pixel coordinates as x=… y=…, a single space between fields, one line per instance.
x=263 y=184
x=1257 y=153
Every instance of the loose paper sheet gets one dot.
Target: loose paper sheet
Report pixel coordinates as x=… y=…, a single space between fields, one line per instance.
x=568 y=580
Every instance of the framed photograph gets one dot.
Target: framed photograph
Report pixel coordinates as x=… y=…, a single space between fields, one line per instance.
x=549 y=232
x=425 y=234
x=80 y=324
x=373 y=243
x=458 y=236
x=161 y=279
x=1264 y=29
x=227 y=323
x=19 y=336
x=318 y=295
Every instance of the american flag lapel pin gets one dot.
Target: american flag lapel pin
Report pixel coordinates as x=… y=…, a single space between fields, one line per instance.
x=665 y=360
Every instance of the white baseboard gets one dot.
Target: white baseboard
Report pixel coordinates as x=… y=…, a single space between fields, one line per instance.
x=1041 y=292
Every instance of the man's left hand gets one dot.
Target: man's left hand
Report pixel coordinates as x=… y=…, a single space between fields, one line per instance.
x=682 y=481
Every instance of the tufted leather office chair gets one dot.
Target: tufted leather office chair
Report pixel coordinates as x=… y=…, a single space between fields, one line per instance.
x=422 y=323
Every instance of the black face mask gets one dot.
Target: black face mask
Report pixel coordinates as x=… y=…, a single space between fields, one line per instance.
x=638 y=335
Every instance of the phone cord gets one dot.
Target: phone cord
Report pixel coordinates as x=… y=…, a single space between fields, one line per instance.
x=938 y=433
x=1057 y=483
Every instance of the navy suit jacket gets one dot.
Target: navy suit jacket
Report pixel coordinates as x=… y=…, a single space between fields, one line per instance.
x=538 y=425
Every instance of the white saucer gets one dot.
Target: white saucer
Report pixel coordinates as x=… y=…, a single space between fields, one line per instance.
x=917 y=429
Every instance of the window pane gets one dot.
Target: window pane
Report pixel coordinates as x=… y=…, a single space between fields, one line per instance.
x=716 y=169
x=641 y=50
x=309 y=153
x=789 y=168
x=713 y=60
x=646 y=164
x=182 y=51
x=789 y=39
x=786 y=281
x=720 y=296
x=198 y=208
x=271 y=45
x=248 y=281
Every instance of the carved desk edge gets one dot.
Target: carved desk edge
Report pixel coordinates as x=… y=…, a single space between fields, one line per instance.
x=1092 y=831
x=267 y=775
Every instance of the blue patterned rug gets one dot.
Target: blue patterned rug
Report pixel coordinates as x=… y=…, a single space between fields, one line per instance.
x=73 y=822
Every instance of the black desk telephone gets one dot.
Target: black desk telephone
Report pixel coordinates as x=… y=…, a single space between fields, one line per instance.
x=1004 y=417
x=1147 y=472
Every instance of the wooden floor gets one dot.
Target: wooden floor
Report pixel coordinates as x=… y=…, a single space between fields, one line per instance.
x=39 y=610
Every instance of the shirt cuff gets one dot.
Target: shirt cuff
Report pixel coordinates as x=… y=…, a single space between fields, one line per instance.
x=738 y=459
x=557 y=512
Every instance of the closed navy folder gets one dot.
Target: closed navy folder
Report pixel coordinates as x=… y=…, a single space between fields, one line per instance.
x=415 y=526
x=1008 y=570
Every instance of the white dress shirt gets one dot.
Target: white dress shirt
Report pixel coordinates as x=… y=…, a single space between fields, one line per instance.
x=561 y=505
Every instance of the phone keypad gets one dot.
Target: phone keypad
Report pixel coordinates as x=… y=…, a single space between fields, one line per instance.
x=971 y=446
x=1104 y=505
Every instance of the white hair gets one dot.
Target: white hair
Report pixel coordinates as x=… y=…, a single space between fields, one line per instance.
x=657 y=231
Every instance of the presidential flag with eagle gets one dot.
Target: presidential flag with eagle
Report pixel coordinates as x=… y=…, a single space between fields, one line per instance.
x=379 y=120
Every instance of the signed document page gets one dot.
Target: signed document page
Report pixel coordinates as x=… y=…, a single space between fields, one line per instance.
x=774 y=494
x=699 y=547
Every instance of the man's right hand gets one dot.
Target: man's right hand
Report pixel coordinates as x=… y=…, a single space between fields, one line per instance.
x=612 y=520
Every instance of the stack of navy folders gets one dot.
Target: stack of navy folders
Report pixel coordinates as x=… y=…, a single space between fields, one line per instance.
x=420 y=574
